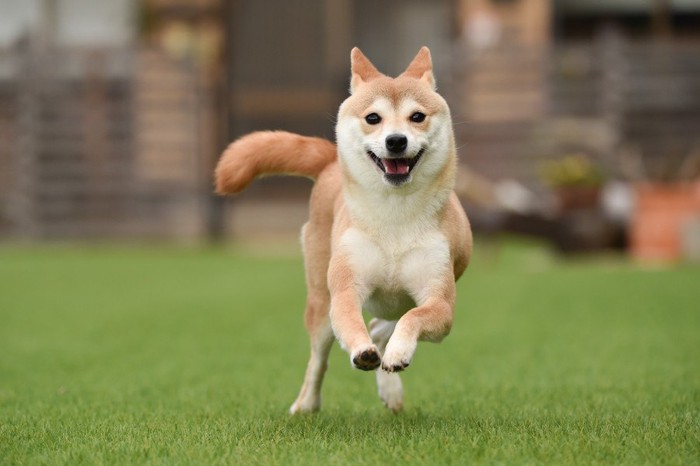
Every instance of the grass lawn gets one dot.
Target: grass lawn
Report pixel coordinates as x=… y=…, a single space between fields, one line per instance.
x=120 y=355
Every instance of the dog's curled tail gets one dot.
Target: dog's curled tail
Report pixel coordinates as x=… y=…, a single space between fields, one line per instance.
x=271 y=153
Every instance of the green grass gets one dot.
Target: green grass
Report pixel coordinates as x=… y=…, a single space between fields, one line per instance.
x=118 y=355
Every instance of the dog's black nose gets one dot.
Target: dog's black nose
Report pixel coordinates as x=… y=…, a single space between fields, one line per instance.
x=396 y=143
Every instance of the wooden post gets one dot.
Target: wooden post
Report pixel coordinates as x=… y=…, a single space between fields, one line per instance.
x=613 y=70
x=661 y=18
x=216 y=204
x=28 y=86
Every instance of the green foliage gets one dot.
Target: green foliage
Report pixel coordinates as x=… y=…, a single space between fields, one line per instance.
x=574 y=170
x=170 y=356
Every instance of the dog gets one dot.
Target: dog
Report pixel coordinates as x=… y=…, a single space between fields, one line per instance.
x=386 y=233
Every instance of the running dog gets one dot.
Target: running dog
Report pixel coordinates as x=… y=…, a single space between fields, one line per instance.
x=386 y=233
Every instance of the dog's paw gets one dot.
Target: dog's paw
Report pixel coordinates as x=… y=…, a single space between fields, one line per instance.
x=396 y=366
x=390 y=390
x=367 y=359
x=305 y=406
x=397 y=356
x=308 y=401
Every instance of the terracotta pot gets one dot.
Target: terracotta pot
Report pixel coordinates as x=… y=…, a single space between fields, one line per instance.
x=660 y=212
x=578 y=197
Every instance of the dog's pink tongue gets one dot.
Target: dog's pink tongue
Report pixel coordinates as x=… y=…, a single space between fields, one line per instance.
x=395 y=166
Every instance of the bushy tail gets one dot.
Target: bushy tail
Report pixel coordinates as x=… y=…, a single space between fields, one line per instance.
x=271 y=153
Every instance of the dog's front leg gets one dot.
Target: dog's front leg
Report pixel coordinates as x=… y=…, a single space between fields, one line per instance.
x=430 y=321
x=347 y=295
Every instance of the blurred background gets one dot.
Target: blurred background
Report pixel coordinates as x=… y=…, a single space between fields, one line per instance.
x=578 y=121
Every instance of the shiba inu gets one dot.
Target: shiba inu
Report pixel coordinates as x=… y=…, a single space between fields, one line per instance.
x=386 y=233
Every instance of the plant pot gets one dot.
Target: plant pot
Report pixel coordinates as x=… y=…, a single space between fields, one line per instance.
x=660 y=213
x=578 y=197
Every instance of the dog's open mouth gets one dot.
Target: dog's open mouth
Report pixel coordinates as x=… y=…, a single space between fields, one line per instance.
x=396 y=170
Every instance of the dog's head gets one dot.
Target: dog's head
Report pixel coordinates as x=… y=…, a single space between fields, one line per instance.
x=394 y=132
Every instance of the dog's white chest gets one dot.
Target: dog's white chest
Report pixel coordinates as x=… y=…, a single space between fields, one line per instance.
x=394 y=272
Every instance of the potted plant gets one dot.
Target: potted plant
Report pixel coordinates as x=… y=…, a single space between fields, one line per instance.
x=576 y=180
x=661 y=214
x=667 y=205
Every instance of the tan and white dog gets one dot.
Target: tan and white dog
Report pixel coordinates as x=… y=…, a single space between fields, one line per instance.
x=386 y=233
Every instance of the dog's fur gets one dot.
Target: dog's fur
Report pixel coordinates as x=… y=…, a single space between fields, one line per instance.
x=378 y=238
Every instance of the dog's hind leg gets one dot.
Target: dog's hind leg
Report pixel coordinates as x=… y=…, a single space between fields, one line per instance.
x=316 y=317
x=321 y=339
x=388 y=383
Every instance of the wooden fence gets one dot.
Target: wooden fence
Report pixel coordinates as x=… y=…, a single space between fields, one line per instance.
x=107 y=143
x=634 y=107
x=98 y=143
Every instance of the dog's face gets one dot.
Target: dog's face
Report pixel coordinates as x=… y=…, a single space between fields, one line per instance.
x=394 y=133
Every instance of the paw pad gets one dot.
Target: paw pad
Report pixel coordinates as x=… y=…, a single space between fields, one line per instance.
x=367 y=360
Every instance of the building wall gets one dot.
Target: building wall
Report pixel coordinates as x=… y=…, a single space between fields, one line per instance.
x=91 y=23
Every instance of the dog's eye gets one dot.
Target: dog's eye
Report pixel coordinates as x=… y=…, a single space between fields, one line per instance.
x=418 y=117
x=373 y=119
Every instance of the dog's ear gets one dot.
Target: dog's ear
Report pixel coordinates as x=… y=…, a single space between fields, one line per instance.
x=362 y=69
x=421 y=67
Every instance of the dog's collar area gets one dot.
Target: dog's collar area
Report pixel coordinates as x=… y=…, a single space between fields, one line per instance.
x=396 y=167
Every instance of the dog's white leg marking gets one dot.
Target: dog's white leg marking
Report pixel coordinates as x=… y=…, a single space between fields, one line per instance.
x=321 y=336
x=431 y=320
x=388 y=384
